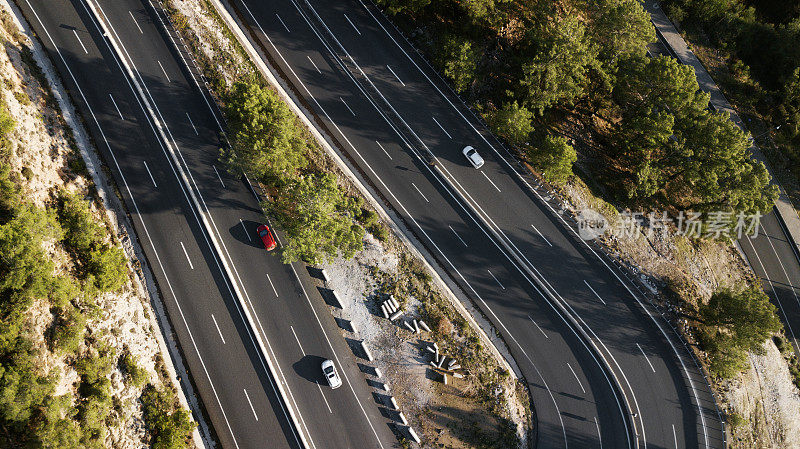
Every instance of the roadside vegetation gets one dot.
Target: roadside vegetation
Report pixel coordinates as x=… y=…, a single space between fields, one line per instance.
x=268 y=144
x=579 y=70
x=735 y=323
x=57 y=262
x=750 y=47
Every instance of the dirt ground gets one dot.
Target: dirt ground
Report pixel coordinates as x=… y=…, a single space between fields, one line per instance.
x=485 y=408
x=45 y=156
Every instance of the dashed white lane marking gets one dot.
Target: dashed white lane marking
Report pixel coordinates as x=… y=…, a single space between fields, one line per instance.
x=495 y=279
x=314 y=64
x=304 y=354
x=541 y=235
x=537 y=327
x=150 y=174
x=297 y=340
x=347 y=106
x=136 y=23
x=273 y=285
x=675 y=436
x=245 y=230
x=599 y=436
x=192 y=123
x=384 y=150
x=187 y=256
x=218 y=176
x=251 y=404
x=218 y=330
x=352 y=24
x=576 y=378
x=459 y=237
x=420 y=192
x=116 y=107
x=395 y=75
x=442 y=128
x=165 y=72
x=490 y=181
x=645 y=357
x=595 y=293
x=80 y=41
x=283 y=23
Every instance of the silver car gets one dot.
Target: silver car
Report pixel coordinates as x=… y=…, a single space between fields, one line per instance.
x=329 y=370
x=472 y=156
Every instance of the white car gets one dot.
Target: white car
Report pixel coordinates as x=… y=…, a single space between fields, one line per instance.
x=472 y=156
x=329 y=370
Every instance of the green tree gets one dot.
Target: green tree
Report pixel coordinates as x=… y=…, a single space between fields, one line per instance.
x=622 y=28
x=558 y=70
x=789 y=110
x=459 y=59
x=512 y=122
x=676 y=150
x=554 y=157
x=736 y=322
x=651 y=84
x=318 y=220
x=266 y=141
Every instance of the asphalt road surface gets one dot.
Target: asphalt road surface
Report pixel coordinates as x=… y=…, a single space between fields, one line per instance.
x=504 y=243
x=157 y=182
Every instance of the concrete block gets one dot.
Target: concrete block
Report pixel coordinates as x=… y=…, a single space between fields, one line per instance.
x=408 y=325
x=414 y=435
x=394 y=302
x=396 y=315
x=393 y=402
x=451 y=363
x=402 y=418
x=367 y=354
x=390 y=307
x=454 y=367
x=378 y=372
x=416 y=326
x=430 y=349
x=324 y=274
x=444 y=378
x=337 y=299
x=433 y=364
x=424 y=326
x=385 y=311
x=458 y=375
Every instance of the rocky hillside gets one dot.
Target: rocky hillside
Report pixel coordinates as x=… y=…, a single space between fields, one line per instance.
x=80 y=360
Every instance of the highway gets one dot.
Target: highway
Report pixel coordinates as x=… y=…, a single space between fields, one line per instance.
x=159 y=134
x=564 y=309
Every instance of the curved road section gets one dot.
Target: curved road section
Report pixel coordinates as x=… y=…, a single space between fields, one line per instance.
x=595 y=353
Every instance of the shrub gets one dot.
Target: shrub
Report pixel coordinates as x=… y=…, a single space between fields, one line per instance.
x=512 y=122
x=103 y=264
x=554 y=157
x=168 y=428
x=136 y=375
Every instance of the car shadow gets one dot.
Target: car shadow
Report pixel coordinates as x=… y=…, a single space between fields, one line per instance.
x=310 y=369
x=245 y=232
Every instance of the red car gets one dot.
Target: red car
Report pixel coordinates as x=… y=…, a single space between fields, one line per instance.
x=266 y=237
